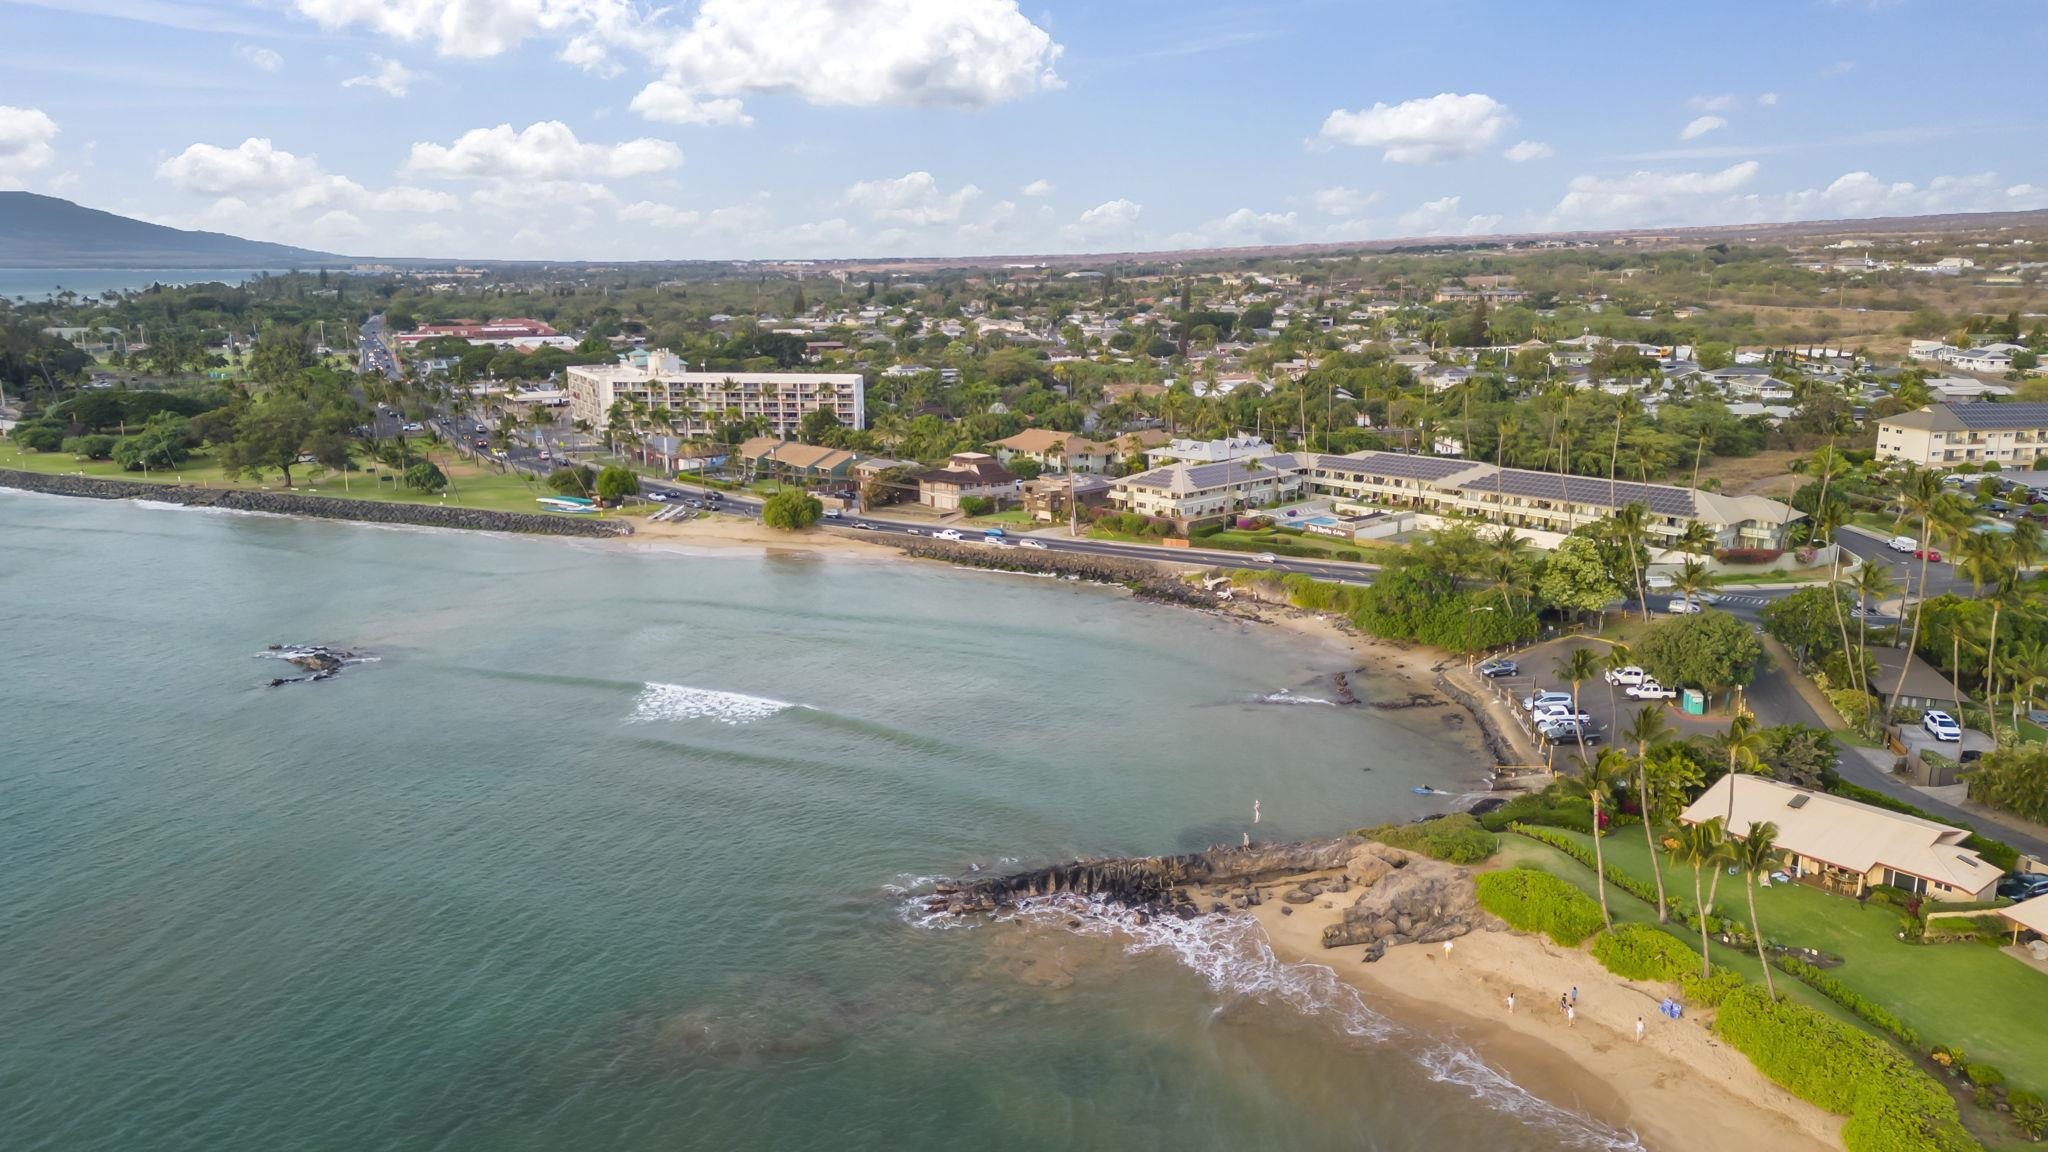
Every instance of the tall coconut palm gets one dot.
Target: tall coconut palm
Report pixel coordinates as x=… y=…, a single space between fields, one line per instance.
x=1648 y=727
x=1578 y=667
x=1618 y=657
x=1596 y=781
x=1920 y=499
x=1696 y=540
x=1756 y=854
x=1631 y=530
x=1743 y=745
x=1986 y=558
x=1694 y=577
x=1701 y=846
x=1872 y=585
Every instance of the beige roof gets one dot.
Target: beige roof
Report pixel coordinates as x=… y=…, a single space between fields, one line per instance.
x=2029 y=914
x=1844 y=833
x=1035 y=440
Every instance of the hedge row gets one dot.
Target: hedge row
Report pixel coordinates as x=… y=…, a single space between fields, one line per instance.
x=1641 y=952
x=1708 y=991
x=1534 y=901
x=1541 y=808
x=1877 y=1015
x=1643 y=890
x=1892 y=1105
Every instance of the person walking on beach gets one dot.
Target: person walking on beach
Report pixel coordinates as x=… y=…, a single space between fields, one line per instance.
x=1639 y=1029
x=1511 y=1003
x=1564 y=1004
x=1575 y=995
x=1571 y=1016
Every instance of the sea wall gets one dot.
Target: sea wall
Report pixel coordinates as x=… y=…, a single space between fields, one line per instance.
x=1157 y=580
x=321 y=507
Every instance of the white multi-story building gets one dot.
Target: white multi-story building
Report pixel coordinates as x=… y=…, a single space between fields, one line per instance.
x=697 y=402
x=1943 y=435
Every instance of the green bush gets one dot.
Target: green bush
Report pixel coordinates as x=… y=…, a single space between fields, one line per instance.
x=1546 y=808
x=578 y=481
x=1644 y=890
x=1892 y=1105
x=616 y=483
x=1350 y=554
x=39 y=437
x=1983 y=1075
x=425 y=476
x=1457 y=838
x=90 y=447
x=1709 y=990
x=2029 y=1113
x=1872 y=1013
x=977 y=505
x=1642 y=952
x=1533 y=901
x=791 y=510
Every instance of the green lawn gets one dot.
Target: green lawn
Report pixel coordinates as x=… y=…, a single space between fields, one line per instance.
x=1968 y=995
x=1818 y=574
x=1008 y=517
x=470 y=485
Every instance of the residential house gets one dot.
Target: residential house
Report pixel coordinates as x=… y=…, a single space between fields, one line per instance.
x=1210 y=451
x=1846 y=846
x=1925 y=687
x=1187 y=492
x=1048 y=500
x=1982 y=360
x=966 y=475
x=1056 y=451
x=768 y=456
x=1945 y=434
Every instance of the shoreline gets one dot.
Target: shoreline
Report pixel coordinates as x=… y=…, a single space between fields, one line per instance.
x=1680 y=1090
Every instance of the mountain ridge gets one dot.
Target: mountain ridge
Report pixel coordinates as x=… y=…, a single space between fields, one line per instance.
x=39 y=231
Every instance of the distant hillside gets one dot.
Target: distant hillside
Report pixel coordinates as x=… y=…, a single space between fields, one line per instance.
x=45 y=232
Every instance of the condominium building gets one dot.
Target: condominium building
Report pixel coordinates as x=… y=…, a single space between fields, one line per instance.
x=1187 y=492
x=1543 y=501
x=697 y=402
x=1941 y=435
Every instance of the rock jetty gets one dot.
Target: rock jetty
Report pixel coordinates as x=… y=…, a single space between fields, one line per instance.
x=1404 y=898
x=1149 y=881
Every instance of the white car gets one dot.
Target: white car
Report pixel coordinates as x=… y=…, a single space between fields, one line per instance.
x=1902 y=544
x=1037 y=545
x=1265 y=558
x=1543 y=699
x=995 y=541
x=1941 y=726
x=1651 y=690
x=1625 y=676
x=1685 y=608
x=947 y=534
x=1559 y=712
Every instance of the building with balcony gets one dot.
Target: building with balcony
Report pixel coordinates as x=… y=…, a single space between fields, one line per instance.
x=695 y=403
x=1186 y=492
x=1944 y=435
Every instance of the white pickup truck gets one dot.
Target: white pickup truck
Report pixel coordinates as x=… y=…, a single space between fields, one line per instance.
x=1649 y=689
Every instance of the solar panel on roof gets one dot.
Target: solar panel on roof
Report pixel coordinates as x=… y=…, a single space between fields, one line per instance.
x=2001 y=415
x=1402 y=466
x=1659 y=499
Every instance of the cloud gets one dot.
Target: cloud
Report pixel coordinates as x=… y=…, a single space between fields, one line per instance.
x=912 y=199
x=1113 y=219
x=254 y=165
x=1529 y=150
x=472 y=28
x=1341 y=201
x=262 y=191
x=1720 y=103
x=659 y=215
x=1863 y=194
x=391 y=78
x=25 y=135
x=258 y=56
x=1700 y=126
x=1768 y=99
x=1431 y=130
x=671 y=103
x=1037 y=188
x=1838 y=68
x=1445 y=217
x=547 y=150
x=1648 y=197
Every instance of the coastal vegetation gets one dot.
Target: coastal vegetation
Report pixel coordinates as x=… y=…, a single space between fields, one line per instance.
x=1534 y=901
x=791 y=510
x=1457 y=838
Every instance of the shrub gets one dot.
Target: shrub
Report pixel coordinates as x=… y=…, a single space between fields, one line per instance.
x=90 y=447
x=1892 y=1106
x=791 y=510
x=1457 y=838
x=578 y=481
x=1545 y=808
x=39 y=437
x=1709 y=990
x=1533 y=901
x=1749 y=555
x=1641 y=952
x=1644 y=890
x=977 y=505
x=2029 y=1113
x=1983 y=1075
x=1350 y=554
x=425 y=476
x=1867 y=1010
x=616 y=483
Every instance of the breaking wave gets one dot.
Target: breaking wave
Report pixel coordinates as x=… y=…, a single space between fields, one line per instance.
x=1285 y=697
x=1232 y=955
x=682 y=702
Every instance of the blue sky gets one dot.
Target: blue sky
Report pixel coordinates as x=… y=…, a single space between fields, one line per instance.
x=610 y=129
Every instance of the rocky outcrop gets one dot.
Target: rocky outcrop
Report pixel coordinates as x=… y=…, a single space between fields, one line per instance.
x=1155 y=580
x=1406 y=899
x=1150 y=880
x=320 y=507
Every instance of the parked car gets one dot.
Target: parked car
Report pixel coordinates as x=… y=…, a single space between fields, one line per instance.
x=1929 y=554
x=947 y=534
x=1651 y=690
x=1564 y=733
x=1685 y=607
x=658 y=496
x=1038 y=545
x=1536 y=700
x=1556 y=712
x=1859 y=612
x=1941 y=725
x=1902 y=544
x=1492 y=669
x=833 y=514
x=2023 y=886
x=1626 y=676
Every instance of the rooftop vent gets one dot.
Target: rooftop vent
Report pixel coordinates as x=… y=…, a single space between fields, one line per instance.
x=1798 y=801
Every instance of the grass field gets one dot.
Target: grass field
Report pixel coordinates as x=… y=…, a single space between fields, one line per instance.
x=470 y=486
x=1969 y=995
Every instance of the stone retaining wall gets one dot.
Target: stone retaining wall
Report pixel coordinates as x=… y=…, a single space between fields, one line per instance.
x=321 y=507
x=1159 y=580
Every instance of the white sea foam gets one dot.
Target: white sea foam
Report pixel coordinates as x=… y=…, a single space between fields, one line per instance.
x=1230 y=952
x=682 y=702
x=294 y=651
x=1285 y=697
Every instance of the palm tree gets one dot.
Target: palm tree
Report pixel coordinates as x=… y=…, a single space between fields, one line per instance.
x=1743 y=744
x=1646 y=729
x=1631 y=527
x=1694 y=577
x=1578 y=667
x=1986 y=558
x=1920 y=498
x=1618 y=657
x=1696 y=540
x=1702 y=846
x=1755 y=854
x=1595 y=782
x=1872 y=584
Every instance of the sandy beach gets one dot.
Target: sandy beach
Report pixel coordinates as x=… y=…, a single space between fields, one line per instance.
x=732 y=532
x=1680 y=1089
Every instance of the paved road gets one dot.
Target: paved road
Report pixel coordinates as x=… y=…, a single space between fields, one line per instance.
x=373 y=354
x=1904 y=569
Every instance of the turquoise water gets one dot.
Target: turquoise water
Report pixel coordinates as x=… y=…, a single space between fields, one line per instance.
x=37 y=283
x=608 y=850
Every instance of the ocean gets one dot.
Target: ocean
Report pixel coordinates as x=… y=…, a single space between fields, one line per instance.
x=39 y=283
x=617 y=847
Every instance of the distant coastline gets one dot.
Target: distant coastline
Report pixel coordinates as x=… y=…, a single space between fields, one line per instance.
x=41 y=283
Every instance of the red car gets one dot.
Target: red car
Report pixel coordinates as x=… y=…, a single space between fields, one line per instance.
x=1927 y=554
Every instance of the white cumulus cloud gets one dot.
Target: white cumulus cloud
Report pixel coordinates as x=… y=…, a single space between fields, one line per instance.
x=547 y=150
x=1651 y=197
x=1037 y=188
x=391 y=78
x=473 y=28
x=911 y=199
x=656 y=215
x=1529 y=150
x=25 y=135
x=1430 y=130
x=1341 y=201
x=1701 y=125
x=254 y=165
x=1445 y=216
x=1112 y=219
x=258 y=56
x=671 y=103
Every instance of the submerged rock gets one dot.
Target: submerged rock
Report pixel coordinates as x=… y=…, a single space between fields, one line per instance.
x=322 y=662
